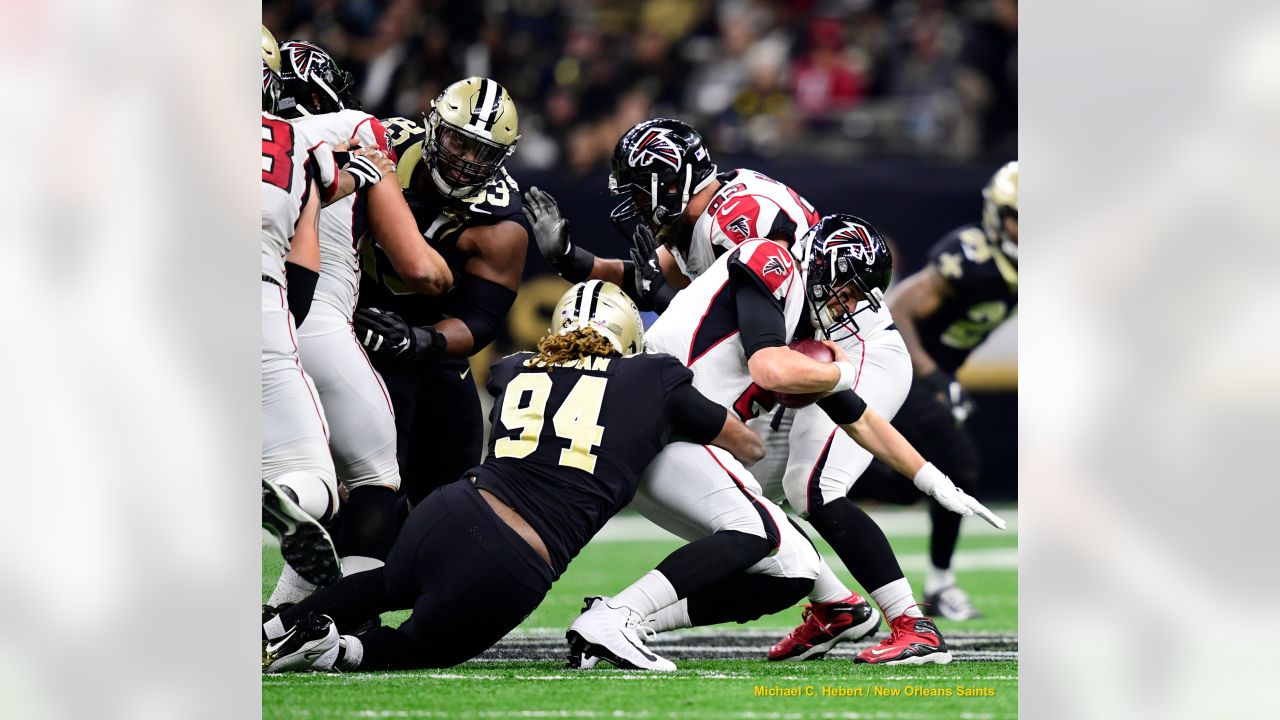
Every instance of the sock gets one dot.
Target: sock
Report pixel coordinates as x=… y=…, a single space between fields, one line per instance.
x=704 y=561
x=859 y=542
x=350 y=653
x=828 y=588
x=943 y=535
x=671 y=617
x=290 y=588
x=311 y=493
x=353 y=564
x=273 y=628
x=368 y=525
x=647 y=595
x=937 y=578
x=896 y=599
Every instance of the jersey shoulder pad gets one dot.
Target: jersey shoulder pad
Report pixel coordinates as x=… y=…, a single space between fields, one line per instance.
x=504 y=370
x=768 y=263
x=405 y=138
x=961 y=255
x=498 y=200
x=371 y=132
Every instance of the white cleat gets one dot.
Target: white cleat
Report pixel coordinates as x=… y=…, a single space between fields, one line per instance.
x=312 y=644
x=612 y=634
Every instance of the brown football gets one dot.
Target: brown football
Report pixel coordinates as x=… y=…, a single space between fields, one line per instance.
x=817 y=351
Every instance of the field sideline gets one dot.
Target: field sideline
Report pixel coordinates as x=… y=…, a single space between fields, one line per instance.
x=722 y=672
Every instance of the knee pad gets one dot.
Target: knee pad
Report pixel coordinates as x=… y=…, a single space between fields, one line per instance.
x=317 y=495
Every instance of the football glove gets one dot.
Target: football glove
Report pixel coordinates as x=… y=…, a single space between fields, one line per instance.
x=933 y=483
x=951 y=395
x=365 y=170
x=551 y=232
x=651 y=289
x=387 y=334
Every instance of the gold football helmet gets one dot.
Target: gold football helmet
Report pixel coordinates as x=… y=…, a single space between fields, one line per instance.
x=1000 y=201
x=270 y=71
x=603 y=307
x=471 y=131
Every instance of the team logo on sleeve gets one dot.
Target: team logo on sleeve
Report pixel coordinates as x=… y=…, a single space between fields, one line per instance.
x=655 y=145
x=740 y=225
x=775 y=266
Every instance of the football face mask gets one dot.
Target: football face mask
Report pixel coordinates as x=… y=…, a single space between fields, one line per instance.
x=847 y=269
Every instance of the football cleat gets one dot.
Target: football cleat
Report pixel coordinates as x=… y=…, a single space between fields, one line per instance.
x=603 y=632
x=303 y=542
x=311 y=644
x=951 y=603
x=912 y=641
x=581 y=660
x=825 y=626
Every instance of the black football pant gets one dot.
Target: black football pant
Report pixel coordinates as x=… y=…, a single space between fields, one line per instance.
x=928 y=425
x=439 y=425
x=469 y=578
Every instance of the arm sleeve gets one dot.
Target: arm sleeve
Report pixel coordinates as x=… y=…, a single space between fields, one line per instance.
x=844 y=408
x=691 y=415
x=760 y=319
x=302 y=288
x=482 y=306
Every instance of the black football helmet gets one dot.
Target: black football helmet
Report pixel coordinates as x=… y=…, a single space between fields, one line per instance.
x=311 y=81
x=658 y=164
x=841 y=254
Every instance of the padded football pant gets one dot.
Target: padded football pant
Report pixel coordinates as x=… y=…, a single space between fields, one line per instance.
x=694 y=490
x=439 y=424
x=927 y=424
x=809 y=460
x=362 y=425
x=469 y=578
x=295 y=438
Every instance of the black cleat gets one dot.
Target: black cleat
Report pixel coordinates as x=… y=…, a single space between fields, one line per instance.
x=303 y=542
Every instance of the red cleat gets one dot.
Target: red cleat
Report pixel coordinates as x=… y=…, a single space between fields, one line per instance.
x=825 y=626
x=912 y=641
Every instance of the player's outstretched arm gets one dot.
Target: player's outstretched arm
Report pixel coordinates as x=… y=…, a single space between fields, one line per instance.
x=693 y=416
x=883 y=440
x=302 y=264
x=393 y=227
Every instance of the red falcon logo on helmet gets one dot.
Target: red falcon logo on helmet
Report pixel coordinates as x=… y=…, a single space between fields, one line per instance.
x=303 y=56
x=655 y=145
x=857 y=236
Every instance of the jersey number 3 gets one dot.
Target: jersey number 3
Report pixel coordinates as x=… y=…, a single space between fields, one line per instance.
x=576 y=420
x=277 y=153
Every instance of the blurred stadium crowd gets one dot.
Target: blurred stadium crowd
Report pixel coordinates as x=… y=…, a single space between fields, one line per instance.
x=829 y=78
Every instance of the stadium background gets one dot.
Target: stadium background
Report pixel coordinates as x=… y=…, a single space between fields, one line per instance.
x=896 y=110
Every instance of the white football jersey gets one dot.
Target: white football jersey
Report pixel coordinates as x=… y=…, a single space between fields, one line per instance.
x=748 y=205
x=343 y=223
x=700 y=327
x=290 y=159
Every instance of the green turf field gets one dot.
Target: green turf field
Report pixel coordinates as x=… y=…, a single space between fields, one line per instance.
x=506 y=683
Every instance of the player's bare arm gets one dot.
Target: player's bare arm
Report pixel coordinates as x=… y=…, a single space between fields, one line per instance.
x=741 y=441
x=912 y=300
x=365 y=167
x=304 y=249
x=396 y=232
x=497 y=257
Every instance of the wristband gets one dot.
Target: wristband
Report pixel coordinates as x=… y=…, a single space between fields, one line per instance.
x=848 y=376
x=428 y=343
x=576 y=264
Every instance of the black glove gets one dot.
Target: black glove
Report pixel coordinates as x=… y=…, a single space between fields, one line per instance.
x=950 y=394
x=651 y=289
x=551 y=233
x=364 y=170
x=387 y=334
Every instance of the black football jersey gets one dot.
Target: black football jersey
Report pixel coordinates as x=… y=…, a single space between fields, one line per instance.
x=569 y=443
x=985 y=293
x=440 y=219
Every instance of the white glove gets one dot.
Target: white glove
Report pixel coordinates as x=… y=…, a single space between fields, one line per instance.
x=933 y=483
x=365 y=170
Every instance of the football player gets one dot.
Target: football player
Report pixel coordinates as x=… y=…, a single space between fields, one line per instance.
x=944 y=312
x=316 y=97
x=670 y=185
x=731 y=327
x=574 y=425
x=299 y=172
x=467 y=207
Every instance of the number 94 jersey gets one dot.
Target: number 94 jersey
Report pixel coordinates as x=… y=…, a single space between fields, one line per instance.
x=569 y=442
x=984 y=286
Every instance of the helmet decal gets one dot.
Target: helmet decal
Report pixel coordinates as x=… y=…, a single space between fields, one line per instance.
x=856 y=235
x=655 y=145
x=305 y=59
